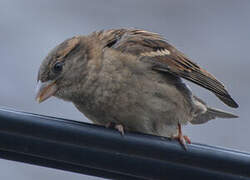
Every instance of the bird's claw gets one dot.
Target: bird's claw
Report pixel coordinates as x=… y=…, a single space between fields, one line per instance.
x=183 y=140
x=118 y=127
x=187 y=139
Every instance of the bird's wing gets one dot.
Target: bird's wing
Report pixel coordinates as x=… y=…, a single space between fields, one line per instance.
x=164 y=57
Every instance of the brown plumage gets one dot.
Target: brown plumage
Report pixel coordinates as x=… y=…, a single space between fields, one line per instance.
x=130 y=77
x=142 y=43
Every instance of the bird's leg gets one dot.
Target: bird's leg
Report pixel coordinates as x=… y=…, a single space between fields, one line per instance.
x=118 y=127
x=182 y=139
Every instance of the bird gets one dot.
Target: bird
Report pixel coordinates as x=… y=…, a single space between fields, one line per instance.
x=131 y=80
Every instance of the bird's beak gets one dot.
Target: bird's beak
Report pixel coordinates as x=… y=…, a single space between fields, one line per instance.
x=45 y=90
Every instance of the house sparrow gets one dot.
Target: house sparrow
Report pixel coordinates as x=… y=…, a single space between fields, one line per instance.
x=132 y=79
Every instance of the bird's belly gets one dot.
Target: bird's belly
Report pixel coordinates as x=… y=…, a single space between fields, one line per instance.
x=143 y=105
x=151 y=112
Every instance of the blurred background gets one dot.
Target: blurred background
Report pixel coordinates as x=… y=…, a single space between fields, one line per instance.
x=215 y=34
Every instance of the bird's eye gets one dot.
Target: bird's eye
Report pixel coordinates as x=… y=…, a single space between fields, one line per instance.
x=58 y=66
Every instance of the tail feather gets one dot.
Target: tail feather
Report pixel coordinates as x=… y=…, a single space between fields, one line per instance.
x=220 y=113
x=210 y=114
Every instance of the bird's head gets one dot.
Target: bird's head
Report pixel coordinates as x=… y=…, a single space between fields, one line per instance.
x=62 y=70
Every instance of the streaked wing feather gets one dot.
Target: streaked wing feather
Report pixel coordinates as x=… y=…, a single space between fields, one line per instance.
x=165 y=57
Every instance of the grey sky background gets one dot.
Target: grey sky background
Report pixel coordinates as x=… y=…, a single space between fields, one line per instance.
x=215 y=34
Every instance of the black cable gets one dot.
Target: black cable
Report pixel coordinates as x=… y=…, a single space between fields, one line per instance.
x=94 y=150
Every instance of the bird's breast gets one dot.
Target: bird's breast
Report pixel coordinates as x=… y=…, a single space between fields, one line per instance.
x=136 y=96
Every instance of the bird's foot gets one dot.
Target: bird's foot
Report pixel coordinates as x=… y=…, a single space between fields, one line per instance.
x=183 y=140
x=187 y=139
x=118 y=127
